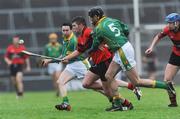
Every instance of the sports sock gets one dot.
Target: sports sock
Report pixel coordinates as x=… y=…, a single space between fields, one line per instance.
x=117 y=100
x=160 y=84
x=126 y=103
x=65 y=100
x=130 y=86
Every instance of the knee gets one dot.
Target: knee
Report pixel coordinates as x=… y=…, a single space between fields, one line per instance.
x=85 y=85
x=108 y=76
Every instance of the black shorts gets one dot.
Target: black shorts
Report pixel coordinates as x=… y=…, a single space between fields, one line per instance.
x=174 y=59
x=15 y=68
x=101 y=68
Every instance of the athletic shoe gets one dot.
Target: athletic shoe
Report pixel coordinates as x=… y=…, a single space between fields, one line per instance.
x=128 y=107
x=119 y=108
x=173 y=105
x=114 y=108
x=63 y=106
x=137 y=91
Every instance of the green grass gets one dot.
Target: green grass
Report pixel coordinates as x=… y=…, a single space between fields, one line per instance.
x=86 y=105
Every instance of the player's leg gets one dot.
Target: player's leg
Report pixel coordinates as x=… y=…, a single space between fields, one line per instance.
x=126 y=105
x=118 y=100
x=13 y=72
x=19 y=83
x=125 y=58
x=64 y=78
x=170 y=72
x=73 y=70
x=128 y=85
x=57 y=73
x=90 y=81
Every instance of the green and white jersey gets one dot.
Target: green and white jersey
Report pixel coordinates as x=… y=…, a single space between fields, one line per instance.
x=111 y=32
x=69 y=45
x=53 y=50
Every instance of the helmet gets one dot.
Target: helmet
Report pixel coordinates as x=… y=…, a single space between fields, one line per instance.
x=53 y=36
x=96 y=11
x=173 y=17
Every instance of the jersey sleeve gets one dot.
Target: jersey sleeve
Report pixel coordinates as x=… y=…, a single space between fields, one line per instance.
x=97 y=38
x=125 y=29
x=7 y=53
x=163 y=33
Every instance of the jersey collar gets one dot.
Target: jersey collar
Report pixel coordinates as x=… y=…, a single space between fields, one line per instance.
x=100 y=20
x=69 y=37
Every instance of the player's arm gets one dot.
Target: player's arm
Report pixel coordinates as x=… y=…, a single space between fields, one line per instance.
x=28 y=66
x=71 y=51
x=6 y=58
x=125 y=29
x=27 y=61
x=156 y=39
x=82 y=46
x=74 y=54
x=97 y=40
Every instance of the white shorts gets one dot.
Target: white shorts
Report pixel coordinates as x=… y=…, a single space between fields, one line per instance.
x=124 y=56
x=77 y=68
x=53 y=67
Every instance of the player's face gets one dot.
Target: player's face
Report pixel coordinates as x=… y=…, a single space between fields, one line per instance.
x=75 y=27
x=93 y=20
x=66 y=31
x=15 y=40
x=53 y=40
x=173 y=25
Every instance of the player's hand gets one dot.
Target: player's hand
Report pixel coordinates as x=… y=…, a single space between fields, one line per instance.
x=64 y=60
x=9 y=63
x=149 y=51
x=45 y=62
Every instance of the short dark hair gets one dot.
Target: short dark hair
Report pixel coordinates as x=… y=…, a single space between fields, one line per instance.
x=96 y=11
x=67 y=24
x=79 y=20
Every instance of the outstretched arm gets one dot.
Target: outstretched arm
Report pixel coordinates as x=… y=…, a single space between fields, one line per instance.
x=156 y=39
x=74 y=54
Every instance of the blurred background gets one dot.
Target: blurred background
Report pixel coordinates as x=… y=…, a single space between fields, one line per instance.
x=33 y=20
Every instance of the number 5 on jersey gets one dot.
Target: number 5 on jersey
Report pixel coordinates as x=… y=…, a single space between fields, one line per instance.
x=114 y=29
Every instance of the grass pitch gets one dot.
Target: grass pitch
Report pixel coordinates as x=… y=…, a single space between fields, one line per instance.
x=87 y=105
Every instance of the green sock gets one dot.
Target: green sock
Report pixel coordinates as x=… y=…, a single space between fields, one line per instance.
x=65 y=99
x=117 y=101
x=160 y=84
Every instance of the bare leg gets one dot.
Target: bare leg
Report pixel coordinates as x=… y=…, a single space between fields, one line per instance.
x=122 y=83
x=170 y=72
x=55 y=77
x=65 y=77
x=110 y=74
x=90 y=81
x=19 y=83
